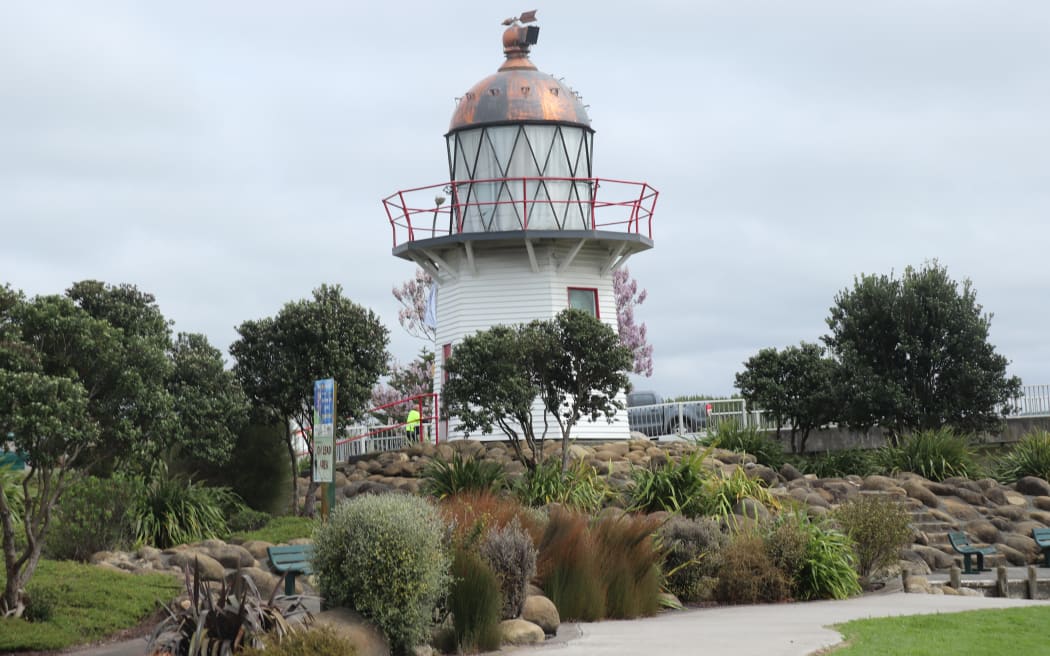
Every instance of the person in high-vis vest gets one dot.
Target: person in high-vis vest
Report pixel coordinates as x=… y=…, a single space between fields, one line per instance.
x=412 y=425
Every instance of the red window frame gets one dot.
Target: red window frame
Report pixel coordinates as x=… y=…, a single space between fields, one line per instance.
x=592 y=290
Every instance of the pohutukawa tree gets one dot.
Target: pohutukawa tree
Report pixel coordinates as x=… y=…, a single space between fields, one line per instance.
x=915 y=354
x=573 y=364
x=280 y=357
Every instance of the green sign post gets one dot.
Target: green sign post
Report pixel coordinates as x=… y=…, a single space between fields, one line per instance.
x=324 y=442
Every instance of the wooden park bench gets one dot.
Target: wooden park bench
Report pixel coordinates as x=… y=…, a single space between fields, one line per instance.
x=962 y=545
x=1042 y=539
x=291 y=561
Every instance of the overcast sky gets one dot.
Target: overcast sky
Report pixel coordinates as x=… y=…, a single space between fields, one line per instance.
x=231 y=156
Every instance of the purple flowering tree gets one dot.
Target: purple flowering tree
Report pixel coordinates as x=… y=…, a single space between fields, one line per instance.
x=413 y=295
x=632 y=335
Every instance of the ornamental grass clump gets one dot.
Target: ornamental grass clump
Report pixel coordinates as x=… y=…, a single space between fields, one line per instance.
x=177 y=510
x=443 y=478
x=385 y=557
x=628 y=562
x=766 y=450
x=580 y=486
x=879 y=529
x=475 y=513
x=1029 y=457
x=475 y=603
x=671 y=486
x=692 y=555
x=817 y=559
x=720 y=494
x=933 y=454
x=568 y=569
x=748 y=575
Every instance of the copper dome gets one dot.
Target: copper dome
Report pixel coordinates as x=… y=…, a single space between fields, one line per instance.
x=518 y=92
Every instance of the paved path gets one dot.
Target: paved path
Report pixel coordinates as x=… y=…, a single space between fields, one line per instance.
x=764 y=630
x=767 y=630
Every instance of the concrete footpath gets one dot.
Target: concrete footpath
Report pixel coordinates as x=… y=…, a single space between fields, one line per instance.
x=796 y=629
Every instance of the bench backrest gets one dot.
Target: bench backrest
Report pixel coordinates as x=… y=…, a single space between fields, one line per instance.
x=959 y=540
x=1041 y=534
x=296 y=553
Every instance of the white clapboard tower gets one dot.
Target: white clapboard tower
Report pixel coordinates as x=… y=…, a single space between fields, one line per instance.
x=523 y=229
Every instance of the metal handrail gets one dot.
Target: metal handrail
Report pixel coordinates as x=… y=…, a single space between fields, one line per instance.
x=414 y=213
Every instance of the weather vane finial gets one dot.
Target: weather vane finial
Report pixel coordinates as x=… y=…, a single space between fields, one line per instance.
x=526 y=17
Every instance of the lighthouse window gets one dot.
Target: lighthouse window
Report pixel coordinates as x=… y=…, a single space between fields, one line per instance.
x=584 y=298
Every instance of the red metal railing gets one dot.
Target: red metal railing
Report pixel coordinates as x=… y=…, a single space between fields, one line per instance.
x=429 y=415
x=613 y=205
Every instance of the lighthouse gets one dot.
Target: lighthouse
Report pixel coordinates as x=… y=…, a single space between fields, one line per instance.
x=523 y=228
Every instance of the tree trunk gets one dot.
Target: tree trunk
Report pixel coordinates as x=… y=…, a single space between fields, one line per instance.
x=295 y=466
x=311 y=498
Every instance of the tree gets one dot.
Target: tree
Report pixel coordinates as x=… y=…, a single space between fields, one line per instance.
x=573 y=364
x=414 y=294
x=795 y=386
x=47 y=417
x=405 y=381
x=210 y=406
x=582 y=371
x=279 y=358
x=915 y=354
x=632 y=335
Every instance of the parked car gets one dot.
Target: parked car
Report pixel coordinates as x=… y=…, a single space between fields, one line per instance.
x=647 y=413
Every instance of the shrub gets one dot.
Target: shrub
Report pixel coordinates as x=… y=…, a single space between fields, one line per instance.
x=672 y=486
x=834 y=464
x=817 y=558
x=934 y=454
x=629 y=565
x=510 y=553
x=580 y=487
x=475 y=602
x=176 y=510
x=258 y=470
x=567 y=567
x=40 y=604
x=692 y=553
x=748 y=575
x=94 y=514
x=879 y=529
x=248 y=520
x=1029 y=457
x=384 y=556
x=766 y=450
x=443 y=478
x=316 y=641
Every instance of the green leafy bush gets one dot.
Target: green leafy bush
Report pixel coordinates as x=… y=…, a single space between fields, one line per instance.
x=672 y=486
x=816 y=558
x=766 y=450
x=748 y=575
x=248 y=520
x=836 y=464
x=176 y=510
x=629 y=565
x=316 y=641
x=475 y=602
x=40 y=604
x=444 y=478
x=1029 y=457
x=385 y=557
x=258 y=470
x=510 y=553
x=580 y=486
x=94 y=514
x=879 y=528
x=692 y=555
x=934 y=454
x=567 y=568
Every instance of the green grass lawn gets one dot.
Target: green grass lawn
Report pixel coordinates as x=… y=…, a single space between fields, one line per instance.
x=974 y=633
x=281 y=529
x=87 y=603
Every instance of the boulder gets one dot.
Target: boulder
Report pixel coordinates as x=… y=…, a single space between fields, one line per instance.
x=533 y=591
x=969 y=592
x=231 y=556
x=877 y=482
x=912 y=562
x=933 y=557
x=983 y=530
x=1015 y=499
x=1023 y=543
x=959 y=509
x=949 y=590
x=348 y=624
x=971 y=497
x=1013 y=556
x=1013 y=513
x=210 y=569
x=1033 y=486
x=1042 y=503
x=919 y=584
x=521 y=632
x=996 y=496
x=1040 y=516
x=919 y=491
x=790 y=472
x=264 y=581
x=748 y=507
x=940 y=489
x=542 y=612
x=257 y=548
